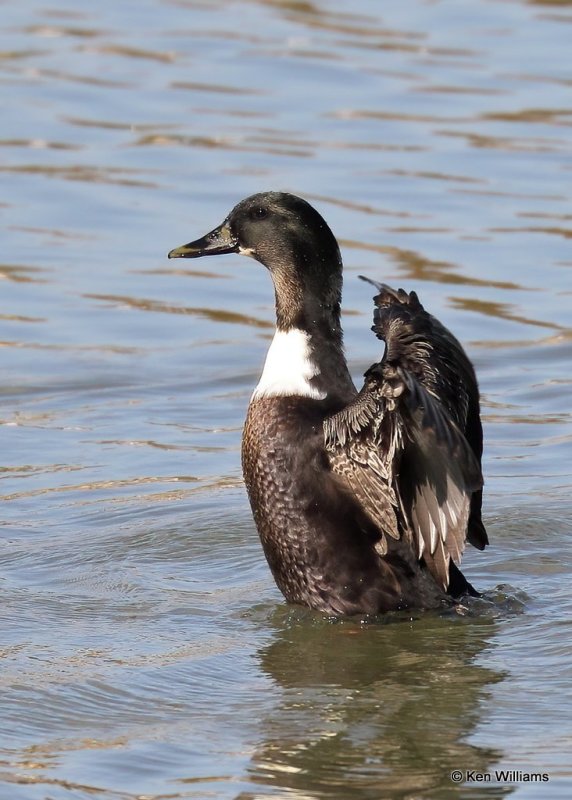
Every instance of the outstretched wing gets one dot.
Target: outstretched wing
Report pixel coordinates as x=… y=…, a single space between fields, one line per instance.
x=420 y=344
x=401 y=450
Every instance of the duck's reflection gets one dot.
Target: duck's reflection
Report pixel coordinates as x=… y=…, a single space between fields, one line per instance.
x=376 y=710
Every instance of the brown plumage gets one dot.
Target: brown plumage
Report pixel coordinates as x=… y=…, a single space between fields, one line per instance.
x=363 y=501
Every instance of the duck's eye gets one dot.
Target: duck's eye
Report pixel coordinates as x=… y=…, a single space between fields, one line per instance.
x=259 y=213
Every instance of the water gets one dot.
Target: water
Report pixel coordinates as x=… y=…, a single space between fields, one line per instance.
x=145 y=650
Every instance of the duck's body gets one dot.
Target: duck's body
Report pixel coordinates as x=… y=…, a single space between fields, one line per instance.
x=363 y=501
x=318 y=541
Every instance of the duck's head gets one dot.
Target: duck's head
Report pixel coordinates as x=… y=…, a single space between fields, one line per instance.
x=291 y=239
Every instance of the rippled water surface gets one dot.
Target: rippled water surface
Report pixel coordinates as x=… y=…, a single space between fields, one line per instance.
x=145 y=651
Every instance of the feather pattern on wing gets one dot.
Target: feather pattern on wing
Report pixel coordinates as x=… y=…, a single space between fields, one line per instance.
x=400 y=445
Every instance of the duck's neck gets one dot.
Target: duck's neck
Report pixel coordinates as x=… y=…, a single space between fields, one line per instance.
x=306 y=357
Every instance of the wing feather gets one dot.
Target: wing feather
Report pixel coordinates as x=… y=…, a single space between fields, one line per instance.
x=401 y=453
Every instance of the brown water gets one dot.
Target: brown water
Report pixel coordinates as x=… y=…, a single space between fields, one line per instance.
x=145 y=652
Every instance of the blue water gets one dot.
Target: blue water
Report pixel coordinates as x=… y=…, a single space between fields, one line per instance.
x=145 y=651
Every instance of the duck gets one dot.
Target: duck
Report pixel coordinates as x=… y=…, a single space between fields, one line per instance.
x=363 y=500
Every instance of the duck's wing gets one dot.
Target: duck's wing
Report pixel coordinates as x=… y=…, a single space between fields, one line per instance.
x=403 y=456
x=421 y=345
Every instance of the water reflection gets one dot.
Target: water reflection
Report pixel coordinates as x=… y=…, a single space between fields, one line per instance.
x=215 y=314
x=385 y=708
x=435 y=141
x=83 y=172
x=501 y=311
x=21 y=273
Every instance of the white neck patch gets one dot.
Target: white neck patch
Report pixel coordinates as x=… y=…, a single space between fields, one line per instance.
x=288 y=368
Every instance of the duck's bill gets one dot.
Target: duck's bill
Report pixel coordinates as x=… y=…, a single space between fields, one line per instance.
x=219 y=241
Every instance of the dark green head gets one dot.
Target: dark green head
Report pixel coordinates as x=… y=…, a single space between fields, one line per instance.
x=291 y=239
